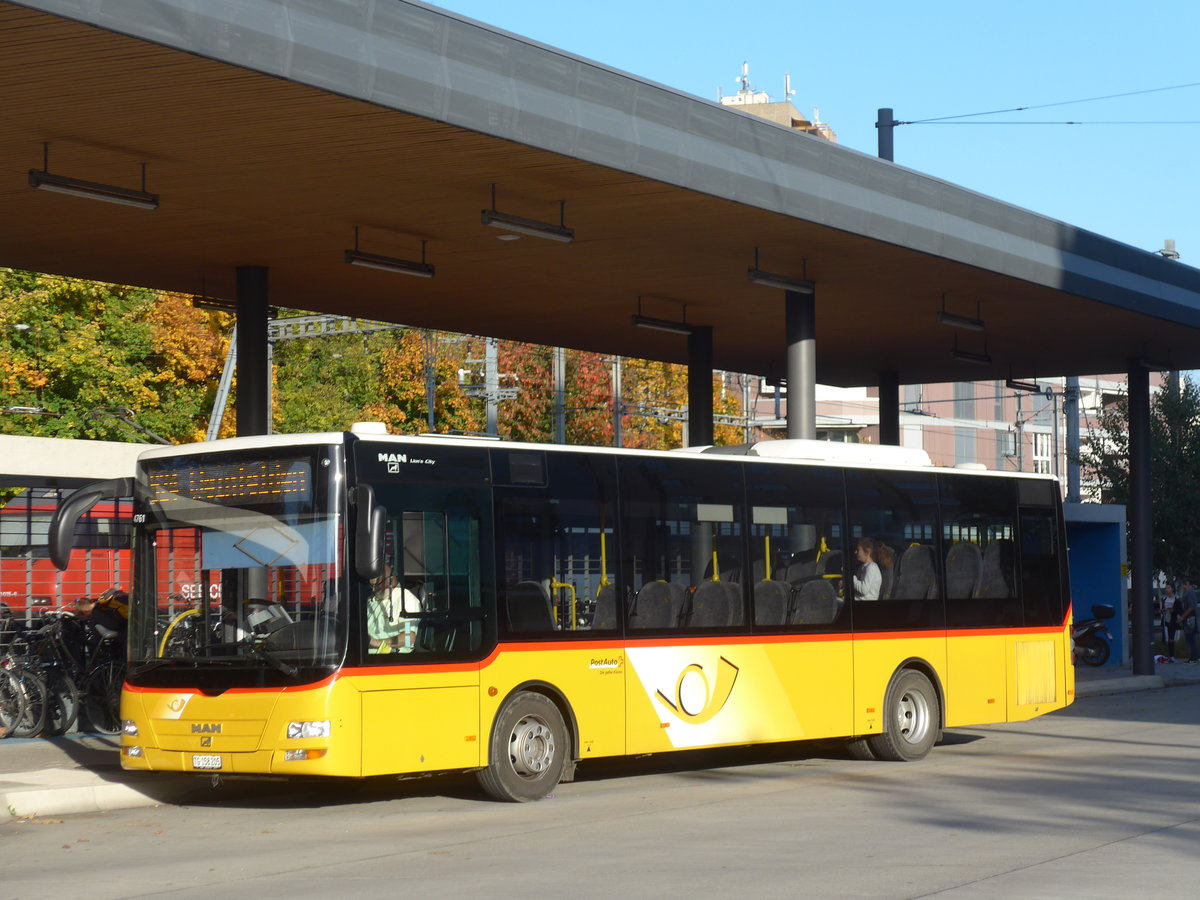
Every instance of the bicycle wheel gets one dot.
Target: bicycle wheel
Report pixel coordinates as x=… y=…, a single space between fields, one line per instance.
x=63 y=706
x=12 y=703
x=33 y=719
x=101 y=695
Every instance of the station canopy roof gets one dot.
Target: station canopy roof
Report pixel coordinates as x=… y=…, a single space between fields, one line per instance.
x=271 y=130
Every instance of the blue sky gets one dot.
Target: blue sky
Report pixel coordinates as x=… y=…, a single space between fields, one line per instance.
x=1132 y=182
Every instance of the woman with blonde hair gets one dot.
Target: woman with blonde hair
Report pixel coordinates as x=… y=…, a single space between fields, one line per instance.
x=868 y=580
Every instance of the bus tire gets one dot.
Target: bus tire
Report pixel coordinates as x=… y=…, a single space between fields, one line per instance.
x=527 y=754
x=911 y=719
x=860 y=748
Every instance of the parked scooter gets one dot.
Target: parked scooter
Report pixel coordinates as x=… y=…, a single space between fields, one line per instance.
x=1090 y=638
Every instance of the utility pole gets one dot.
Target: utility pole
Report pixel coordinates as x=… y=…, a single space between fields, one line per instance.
x=1071 y=414
x=491 y=383
x=560 y=395
x=616 y=391
x=429 y=348
x=885 y=122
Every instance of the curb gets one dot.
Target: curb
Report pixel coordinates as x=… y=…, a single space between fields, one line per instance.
x=93 y=794
x=1125 y=685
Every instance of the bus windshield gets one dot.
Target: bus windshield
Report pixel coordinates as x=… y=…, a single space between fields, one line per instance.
x=239 y=558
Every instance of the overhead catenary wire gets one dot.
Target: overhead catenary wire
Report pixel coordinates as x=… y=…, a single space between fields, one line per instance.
x=995 y=112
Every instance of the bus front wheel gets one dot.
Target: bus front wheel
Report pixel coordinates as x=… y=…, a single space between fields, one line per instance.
x=528 y=751
x=911 y=717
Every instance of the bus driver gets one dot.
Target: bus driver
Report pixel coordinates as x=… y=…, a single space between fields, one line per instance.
x=388 y=627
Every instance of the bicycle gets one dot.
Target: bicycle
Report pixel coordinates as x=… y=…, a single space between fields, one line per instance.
x=26 y=716
x=100 y=690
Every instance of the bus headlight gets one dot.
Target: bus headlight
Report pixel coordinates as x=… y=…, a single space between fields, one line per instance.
x=129 y=727
x=308 y=729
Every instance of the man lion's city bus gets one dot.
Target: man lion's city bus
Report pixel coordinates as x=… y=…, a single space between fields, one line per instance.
x=395 y=605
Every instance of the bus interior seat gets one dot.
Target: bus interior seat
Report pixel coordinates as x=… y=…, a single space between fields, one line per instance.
x=659 y=604
x=771 y=599
x=964 y=570
x=830 y=563
x=528 y=605
x=798 y=569
x=716 y=604
x=887 y=575
x=605 y=616
x=916 y=578
x=995 y=578
x=815 y=603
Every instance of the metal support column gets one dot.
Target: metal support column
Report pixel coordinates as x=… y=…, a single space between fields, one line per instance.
x=1141 y=530
x=801 y=364
x=889 y=408
x=253 y=375
x=700 y=386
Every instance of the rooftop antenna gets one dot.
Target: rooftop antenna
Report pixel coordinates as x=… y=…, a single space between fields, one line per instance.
x=787 y=87
x=1168 y=251
x=744 y=78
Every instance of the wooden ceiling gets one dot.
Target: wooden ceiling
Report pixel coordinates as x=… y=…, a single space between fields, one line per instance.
x=254 y=170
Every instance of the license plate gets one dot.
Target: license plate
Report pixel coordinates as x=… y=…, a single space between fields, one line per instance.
x=206 y=762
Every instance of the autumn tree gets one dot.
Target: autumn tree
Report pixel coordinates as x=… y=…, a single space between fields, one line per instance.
x=89 y=360
x=403 y=405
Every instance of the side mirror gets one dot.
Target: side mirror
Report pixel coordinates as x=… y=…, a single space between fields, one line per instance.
x=370 y=528
x=66 y=517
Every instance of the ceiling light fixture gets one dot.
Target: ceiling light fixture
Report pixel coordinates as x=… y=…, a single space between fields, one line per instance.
x=781 y=282
x=661 y=324
x=956 y=321
x=979 y=359
x=531 y=227
x=1031 y=386
x=44 y=180
x=358 y=257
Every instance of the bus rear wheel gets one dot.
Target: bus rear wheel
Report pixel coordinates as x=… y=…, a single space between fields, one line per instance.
x=911 y=719
x=528 y=750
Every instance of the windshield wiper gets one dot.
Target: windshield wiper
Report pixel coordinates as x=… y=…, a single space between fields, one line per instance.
x=275 y=662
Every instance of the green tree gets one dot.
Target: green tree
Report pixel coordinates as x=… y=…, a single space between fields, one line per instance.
x=1174 y=471
x=328 y=383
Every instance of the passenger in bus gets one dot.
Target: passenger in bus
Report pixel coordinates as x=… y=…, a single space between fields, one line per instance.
x=868 y=580
x=388 y=628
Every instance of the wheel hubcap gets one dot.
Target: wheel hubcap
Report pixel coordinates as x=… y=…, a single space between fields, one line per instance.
x=531 y=747
x=912 y=717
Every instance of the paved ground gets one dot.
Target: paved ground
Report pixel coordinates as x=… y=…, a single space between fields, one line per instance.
x=81 y=773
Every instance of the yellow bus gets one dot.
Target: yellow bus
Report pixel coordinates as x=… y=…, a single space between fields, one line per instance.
x=358 y=604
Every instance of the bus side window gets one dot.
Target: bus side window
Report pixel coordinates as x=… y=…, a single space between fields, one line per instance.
x=796 y=533
x=1041 y=568
x=684 y=544
x=978 y=527
x=555 y=530
x=898 y=511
